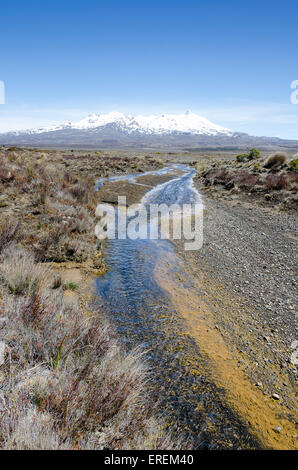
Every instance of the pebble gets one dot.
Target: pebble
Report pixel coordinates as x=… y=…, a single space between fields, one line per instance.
x=2 y=352
x=294 y=358
x=278 y=429
x=3 y=320
x=275 y=396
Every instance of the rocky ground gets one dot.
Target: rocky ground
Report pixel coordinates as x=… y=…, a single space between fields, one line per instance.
x=247 y=274
x=266 y=180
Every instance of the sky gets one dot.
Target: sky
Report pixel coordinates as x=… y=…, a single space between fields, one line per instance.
x=230 y=61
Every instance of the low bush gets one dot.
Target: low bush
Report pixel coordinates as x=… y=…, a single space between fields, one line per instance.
x=242 y=157
x=251 y=155
x=246 y=180
x=276 y=182
x=293 y=164
x=276 y=160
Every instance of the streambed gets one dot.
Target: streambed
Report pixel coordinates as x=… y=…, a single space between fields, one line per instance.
x=145 y=316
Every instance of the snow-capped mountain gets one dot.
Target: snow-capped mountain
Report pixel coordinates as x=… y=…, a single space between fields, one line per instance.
x=117 y=130
x=167 y=123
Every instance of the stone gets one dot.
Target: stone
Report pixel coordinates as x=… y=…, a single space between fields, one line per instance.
x=275 y=396
x=3 y=320
x=294 y=358
x=2 y=352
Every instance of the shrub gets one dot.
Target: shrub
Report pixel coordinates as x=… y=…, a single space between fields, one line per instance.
x=276 y=160
x=293 y=164
x=246 y=180
x=276 y=182
x=221 y=176
x=242 y=157
x=253 y=154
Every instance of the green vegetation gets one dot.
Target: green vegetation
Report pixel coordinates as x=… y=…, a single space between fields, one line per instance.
x=251 y=155
x=293 y=164
x=242 y=157
x=70 y=286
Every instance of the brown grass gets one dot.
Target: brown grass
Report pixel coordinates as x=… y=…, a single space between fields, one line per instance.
x=276 y=160
x=66 y=383
x=276 y=182
x=9 y=231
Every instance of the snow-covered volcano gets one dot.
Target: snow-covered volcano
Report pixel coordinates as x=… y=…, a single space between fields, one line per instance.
x=117 y=130
x=167 y=123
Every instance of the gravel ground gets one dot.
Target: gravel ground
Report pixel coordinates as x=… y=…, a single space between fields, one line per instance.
x=241 y=285
x=249 y=268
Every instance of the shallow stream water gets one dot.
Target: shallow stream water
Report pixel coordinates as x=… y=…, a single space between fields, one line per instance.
x=144 y=316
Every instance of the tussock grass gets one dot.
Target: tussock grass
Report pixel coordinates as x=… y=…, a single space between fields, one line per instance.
x=19 y=272
x=276 y=160
x=9 y=231
x=65 y=382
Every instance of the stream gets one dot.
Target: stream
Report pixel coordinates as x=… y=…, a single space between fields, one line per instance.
x=144 y=316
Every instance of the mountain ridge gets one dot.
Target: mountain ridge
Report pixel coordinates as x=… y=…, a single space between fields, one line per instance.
x=116 y=129
x=187 y=122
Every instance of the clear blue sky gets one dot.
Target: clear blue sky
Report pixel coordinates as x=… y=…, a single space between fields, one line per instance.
x=230 y=61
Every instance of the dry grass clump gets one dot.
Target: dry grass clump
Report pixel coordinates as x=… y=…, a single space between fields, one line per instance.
x=58 y=208
x=83 y=192
x=216 y=176
x=9 y=231
x=246 y=180
x=65 y=382
x=276 y=182
x=276 y=160
x=54 y=198
x=19 y=272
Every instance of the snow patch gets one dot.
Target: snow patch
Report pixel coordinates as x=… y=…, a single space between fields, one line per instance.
x=189 y=123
